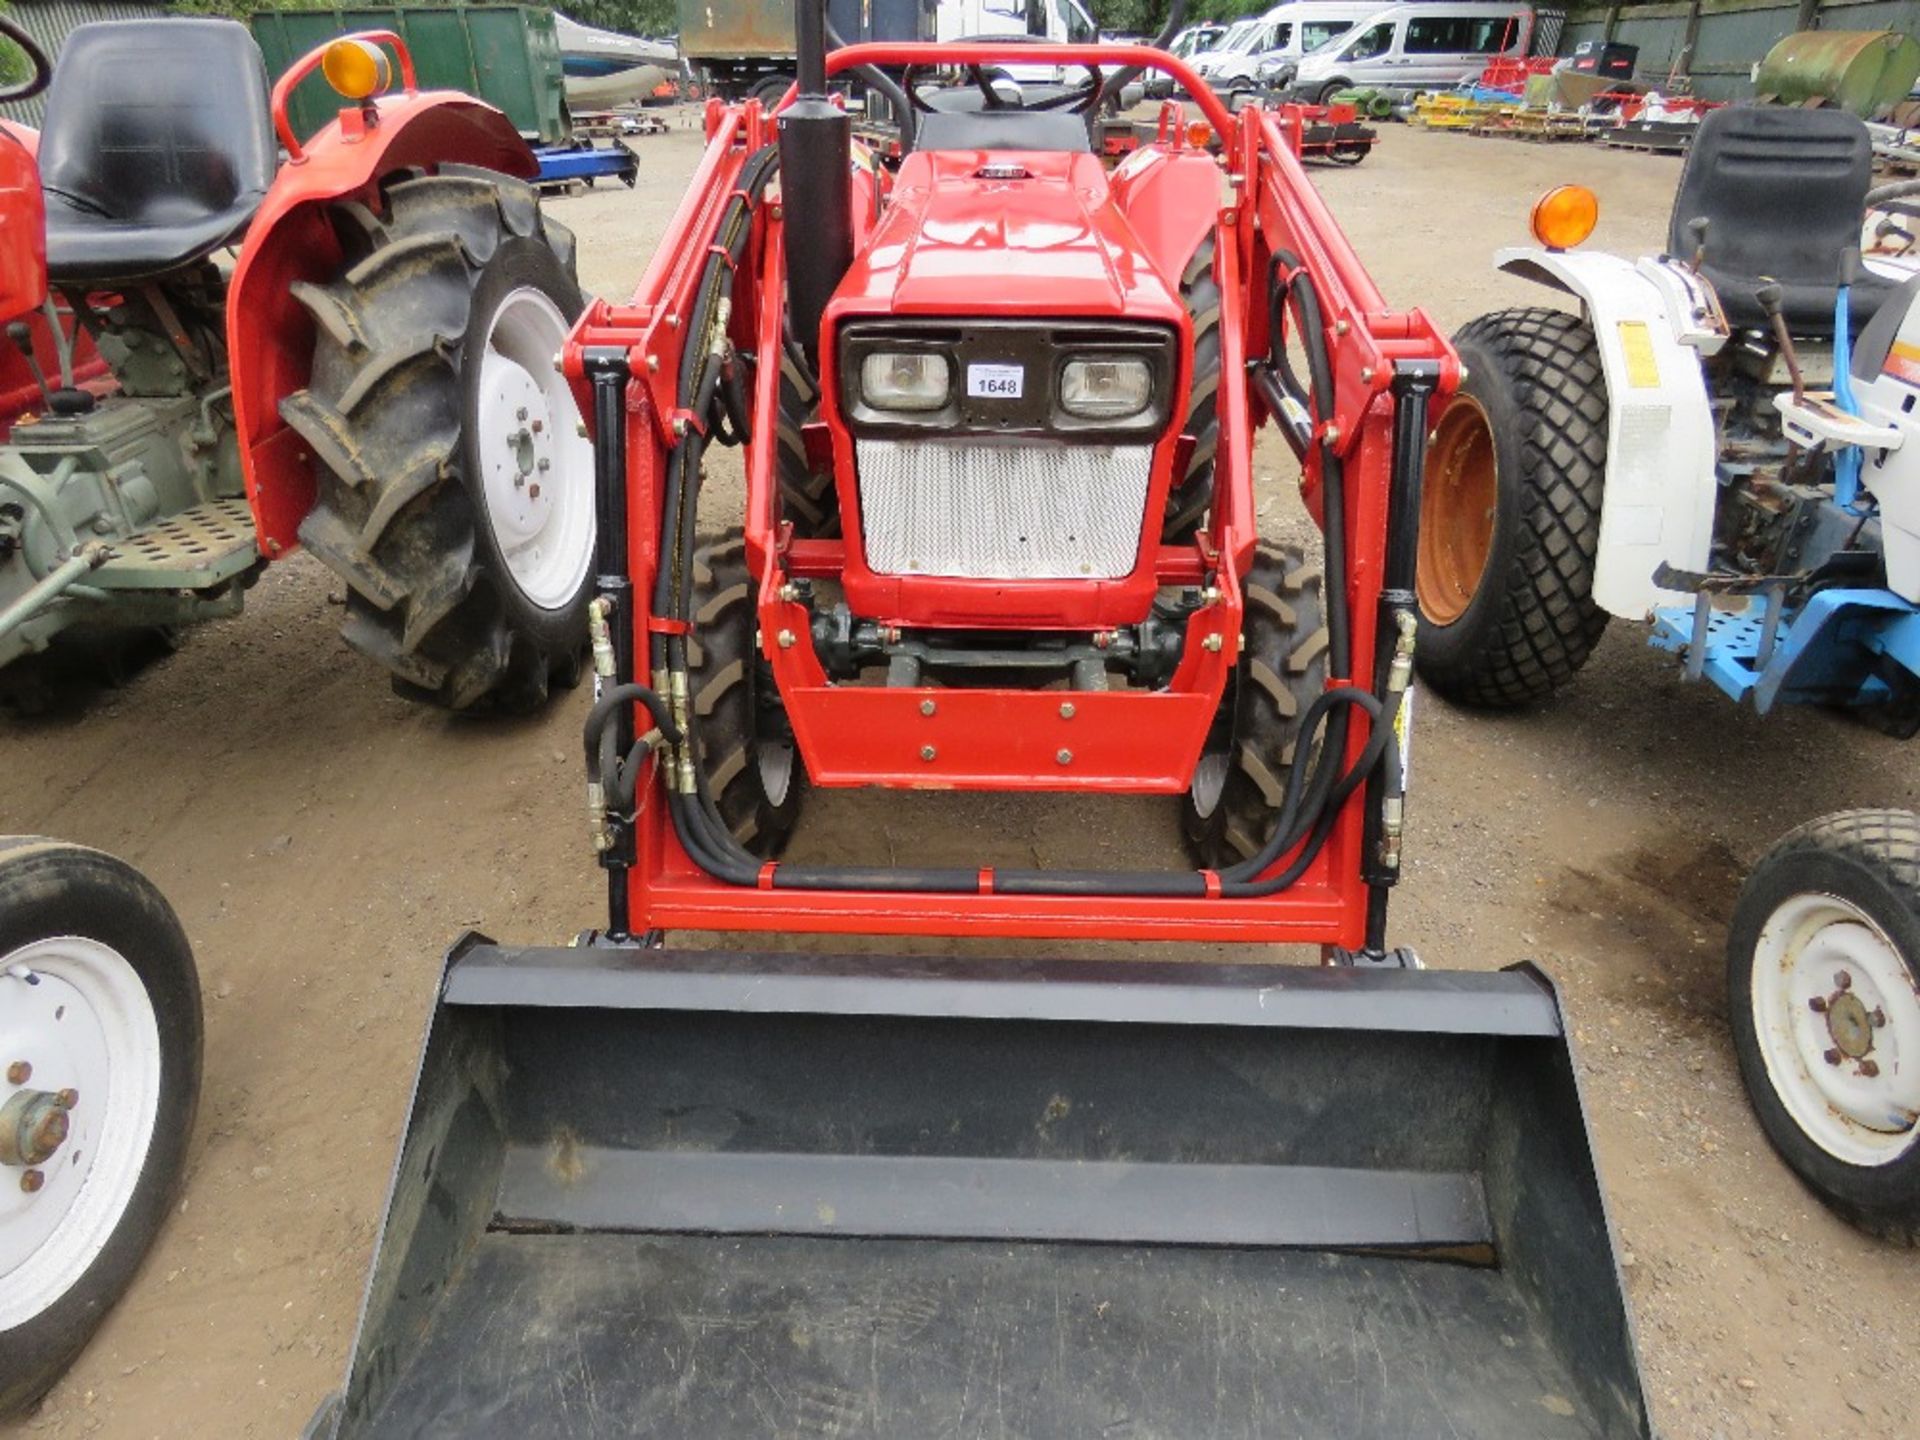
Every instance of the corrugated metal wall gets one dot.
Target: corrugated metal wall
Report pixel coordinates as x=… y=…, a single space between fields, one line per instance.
x=1733 y=36
x=49 y=24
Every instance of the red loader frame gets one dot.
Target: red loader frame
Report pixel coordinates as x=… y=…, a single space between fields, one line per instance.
x=990 y=739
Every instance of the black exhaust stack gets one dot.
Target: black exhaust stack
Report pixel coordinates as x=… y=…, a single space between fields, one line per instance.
x=816 y=159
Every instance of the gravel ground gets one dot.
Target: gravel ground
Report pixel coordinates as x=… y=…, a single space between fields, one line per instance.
x=323 y=842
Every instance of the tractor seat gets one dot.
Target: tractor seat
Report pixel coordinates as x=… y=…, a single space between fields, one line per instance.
x=157 y=148
x=960 y=120
x=1783 y=193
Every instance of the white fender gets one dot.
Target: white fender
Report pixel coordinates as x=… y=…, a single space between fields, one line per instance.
x=1660 y=485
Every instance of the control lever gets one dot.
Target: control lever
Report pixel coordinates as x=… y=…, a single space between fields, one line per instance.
x=1696 y=233
x=1769 y=294
x=21 y=334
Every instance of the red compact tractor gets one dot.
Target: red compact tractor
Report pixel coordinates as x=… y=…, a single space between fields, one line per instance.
x=997 y=412
x=372 y=377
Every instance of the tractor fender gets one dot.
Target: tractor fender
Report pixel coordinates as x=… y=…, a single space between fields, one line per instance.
x=1171 y=198
x=269 y=333
x=1660 y=483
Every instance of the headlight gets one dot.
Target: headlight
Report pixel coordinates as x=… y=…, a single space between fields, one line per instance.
x=913 y=381
x=1105 y=389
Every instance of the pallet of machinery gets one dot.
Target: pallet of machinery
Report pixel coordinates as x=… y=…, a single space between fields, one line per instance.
x=1662 y=137
x=605 y=124
x=580 y=162
x=1537 y=125
x=1454 y=112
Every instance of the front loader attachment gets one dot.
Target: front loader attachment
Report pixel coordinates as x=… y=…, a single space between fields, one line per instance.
x=706 y=1194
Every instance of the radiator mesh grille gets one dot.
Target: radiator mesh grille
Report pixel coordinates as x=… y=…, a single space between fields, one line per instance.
x=975 y=510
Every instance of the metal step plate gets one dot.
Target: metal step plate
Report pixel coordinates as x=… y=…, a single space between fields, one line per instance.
x=200 y=547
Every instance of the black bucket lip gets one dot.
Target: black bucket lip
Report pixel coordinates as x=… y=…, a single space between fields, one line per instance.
x=1519 y=1001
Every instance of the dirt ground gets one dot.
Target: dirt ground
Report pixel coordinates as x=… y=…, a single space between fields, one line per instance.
x=324 y=841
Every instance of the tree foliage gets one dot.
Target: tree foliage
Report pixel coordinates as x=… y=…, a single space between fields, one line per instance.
x=635 y=17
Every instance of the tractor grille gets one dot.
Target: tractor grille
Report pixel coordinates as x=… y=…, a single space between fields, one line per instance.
x=977 y=510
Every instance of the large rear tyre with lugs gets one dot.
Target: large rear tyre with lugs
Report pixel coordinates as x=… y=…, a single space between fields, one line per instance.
x=455 y=493
x=1233 y=802
x=100 y=1051
x=1510 y=512
x=1823 y=995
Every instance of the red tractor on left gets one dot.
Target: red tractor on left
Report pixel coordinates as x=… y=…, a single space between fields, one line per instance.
x=372 y=377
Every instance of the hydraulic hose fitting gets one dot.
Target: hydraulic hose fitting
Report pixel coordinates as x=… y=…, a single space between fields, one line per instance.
x=1400 y=675
x=600 y=635
x=597 y=827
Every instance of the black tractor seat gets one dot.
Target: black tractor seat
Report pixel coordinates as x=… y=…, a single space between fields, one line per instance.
x=960 y=120
x=1783 y=193
x=157 y=148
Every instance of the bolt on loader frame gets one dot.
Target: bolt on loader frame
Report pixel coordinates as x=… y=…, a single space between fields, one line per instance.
x=722 y=1192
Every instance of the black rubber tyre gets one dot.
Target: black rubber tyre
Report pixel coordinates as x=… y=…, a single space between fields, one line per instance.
x=1507 y=560
x=1869 y=859
x=1229 y=811
x=1192 y=492
x=50 y=889
x=1331 y=89
x=391 y=412
x=807 y=497
x=746 y=747
x=769 y=90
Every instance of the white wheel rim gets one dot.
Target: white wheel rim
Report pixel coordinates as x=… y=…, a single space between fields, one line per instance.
x=76 y=1012
x=1838 y=1020
x=536 y=468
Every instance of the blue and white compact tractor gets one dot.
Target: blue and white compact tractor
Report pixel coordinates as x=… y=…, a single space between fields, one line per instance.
x=1721 y=442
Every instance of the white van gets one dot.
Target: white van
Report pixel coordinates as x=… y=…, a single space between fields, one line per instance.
x=1241 y=33
x=1285 y=35
x=1424 y=46
x=1058 y=22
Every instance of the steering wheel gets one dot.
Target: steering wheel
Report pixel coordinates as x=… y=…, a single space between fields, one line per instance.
x=37 y=63
x=1078 y=101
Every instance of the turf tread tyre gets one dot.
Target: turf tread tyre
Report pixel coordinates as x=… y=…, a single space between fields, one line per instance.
x=50 y=888
x=1281 y=671
x=736 y=706
x=1532 y=622
x=1870 y=857
x=385 y=414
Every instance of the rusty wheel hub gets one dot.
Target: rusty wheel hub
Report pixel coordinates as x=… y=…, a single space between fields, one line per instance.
x=1458 y=496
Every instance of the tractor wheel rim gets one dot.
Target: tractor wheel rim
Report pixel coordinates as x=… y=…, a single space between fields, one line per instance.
x=1457 y=499
x=1838 y=1021
x=536 y=467
x=75 y=1014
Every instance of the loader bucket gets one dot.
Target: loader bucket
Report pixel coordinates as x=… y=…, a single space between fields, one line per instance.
x=707 y=1194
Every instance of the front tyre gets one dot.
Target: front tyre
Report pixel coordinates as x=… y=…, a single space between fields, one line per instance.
x=1510 y=512
x=744 y=743
x=100 y=1045
x=455 y=488
x=1233 y=802
x=1823 y=981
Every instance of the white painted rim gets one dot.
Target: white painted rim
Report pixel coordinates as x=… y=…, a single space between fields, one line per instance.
x=77 y=1012
x=536 y=467
x=1808 y=944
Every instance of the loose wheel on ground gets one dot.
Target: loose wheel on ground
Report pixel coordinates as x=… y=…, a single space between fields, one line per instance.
x=1823 y=980
x=746 y=748
x=1510 y=512
x=1229 y=810
x=99 y=1079
x=455 y=488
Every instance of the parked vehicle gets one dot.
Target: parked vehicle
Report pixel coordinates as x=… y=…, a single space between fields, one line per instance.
x=372 y=380
x=1044 y=22
x=100 y=1049
x=1238 y=36
x=1192 y=41
x=1285 y=34
x=1431 y=44
x=998 y=534
x=1718 y=440
x=741 y=48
